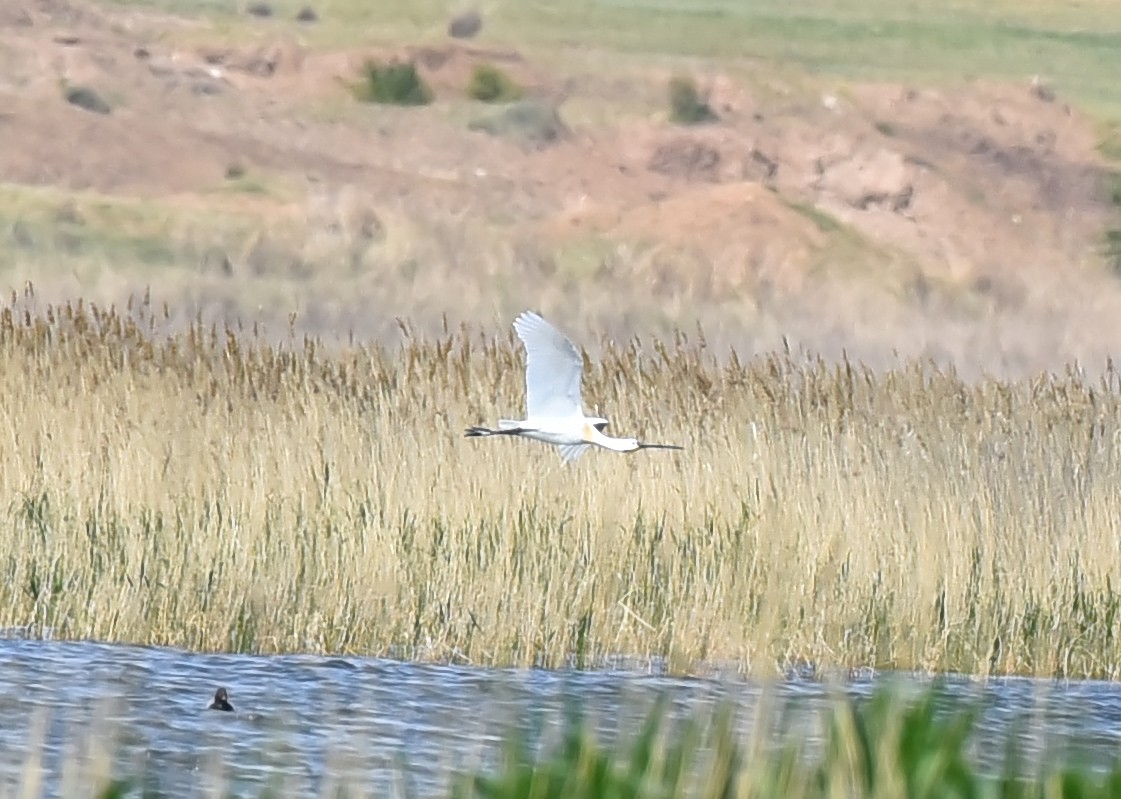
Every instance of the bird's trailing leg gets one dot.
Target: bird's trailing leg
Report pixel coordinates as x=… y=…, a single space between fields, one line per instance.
x=486 y=431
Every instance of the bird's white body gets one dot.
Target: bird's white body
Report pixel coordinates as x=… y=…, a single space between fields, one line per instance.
x=554 y=408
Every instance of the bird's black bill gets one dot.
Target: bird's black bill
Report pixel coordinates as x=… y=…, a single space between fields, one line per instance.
x=658 y=446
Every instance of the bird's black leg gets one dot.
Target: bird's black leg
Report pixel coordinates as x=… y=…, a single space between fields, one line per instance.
x=486 y=431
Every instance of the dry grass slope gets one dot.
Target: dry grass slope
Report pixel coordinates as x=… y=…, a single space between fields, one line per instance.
x=210 y=490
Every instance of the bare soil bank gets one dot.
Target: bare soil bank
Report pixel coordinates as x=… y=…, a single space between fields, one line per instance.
x=969 y=223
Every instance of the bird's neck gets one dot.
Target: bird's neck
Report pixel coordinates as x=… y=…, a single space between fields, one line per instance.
x=617 y=444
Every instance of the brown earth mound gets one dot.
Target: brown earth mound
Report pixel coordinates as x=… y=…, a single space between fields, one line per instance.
x=974 y=185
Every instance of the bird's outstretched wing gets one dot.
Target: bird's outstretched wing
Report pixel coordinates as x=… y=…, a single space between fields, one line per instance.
x=553 y=369
x=570 y=452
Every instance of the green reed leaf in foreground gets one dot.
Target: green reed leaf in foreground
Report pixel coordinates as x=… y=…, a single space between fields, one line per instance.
x=885 y=747
x=212 y=490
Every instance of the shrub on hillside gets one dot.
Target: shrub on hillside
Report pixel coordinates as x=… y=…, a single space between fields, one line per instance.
x=392 y=84
x=535 y=122
x=86 y=98
x=489 y=84
x=687 y=106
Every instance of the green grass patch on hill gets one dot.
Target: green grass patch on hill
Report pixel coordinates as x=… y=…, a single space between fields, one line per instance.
x=1076 y=47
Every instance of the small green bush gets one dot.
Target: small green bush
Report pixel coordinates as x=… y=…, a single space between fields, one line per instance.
x=489 y=84
x=87 y=99
x=533 y=121
x=687 y=106
x=885 y=128
x=1111 y=188
x=1113 y=251
x=1110 y=144
x=392 y=84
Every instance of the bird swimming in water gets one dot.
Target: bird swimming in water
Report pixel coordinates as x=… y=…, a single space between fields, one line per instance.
x=221 y=701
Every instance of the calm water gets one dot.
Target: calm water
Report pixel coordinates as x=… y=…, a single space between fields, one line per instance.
x=376 y=722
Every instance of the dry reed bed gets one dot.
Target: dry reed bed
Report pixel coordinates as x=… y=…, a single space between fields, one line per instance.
x=208 y=490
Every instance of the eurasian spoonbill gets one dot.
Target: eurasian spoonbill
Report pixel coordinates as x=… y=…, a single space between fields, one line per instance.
x=554 y=410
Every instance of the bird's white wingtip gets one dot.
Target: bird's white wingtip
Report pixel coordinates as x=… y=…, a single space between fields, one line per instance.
x=528 y=319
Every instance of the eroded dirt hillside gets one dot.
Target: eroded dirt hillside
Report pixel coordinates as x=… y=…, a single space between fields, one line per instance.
x=981 y=198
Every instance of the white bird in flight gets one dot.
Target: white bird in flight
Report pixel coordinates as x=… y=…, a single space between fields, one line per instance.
x=554 y=410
